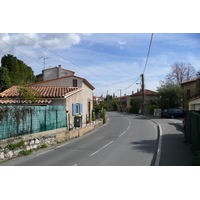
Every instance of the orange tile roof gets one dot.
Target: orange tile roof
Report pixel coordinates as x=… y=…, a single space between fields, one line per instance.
x=192 y=80
x=146 y=92
x=44 y=92
x=194 y=98
x=122 y=97
x=15 y=101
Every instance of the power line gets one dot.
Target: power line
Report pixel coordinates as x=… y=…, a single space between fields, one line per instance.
x=62 y=57
x=148 y=53
x=19 y=51
x=117 y=82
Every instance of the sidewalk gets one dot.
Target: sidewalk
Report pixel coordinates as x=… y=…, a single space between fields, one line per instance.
x=173 y=151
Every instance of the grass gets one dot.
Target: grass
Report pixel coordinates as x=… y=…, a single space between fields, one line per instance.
x=13 y=146
x=25 y=152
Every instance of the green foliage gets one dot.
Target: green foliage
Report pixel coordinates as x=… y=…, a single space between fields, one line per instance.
x=43 y=146
x=28 y=93
x=99 y=107
x=25 y=152
x=18 y=72
x=13 y=146
x=103 y=115
x=170 y=96
x=5 y=81
x=151 y=109
x=135 y=105
x=114 y=104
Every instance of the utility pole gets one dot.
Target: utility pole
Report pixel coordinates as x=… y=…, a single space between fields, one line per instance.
x=142 y=110
x=107 y=100
x=120 y=99
x=44 y=60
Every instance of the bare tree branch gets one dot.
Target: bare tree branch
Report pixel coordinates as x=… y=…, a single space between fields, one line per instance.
x=180 y=72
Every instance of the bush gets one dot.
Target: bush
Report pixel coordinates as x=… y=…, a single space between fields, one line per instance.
x=13 y=146
x=25 y=152
x=151 y=109
x=103 y=115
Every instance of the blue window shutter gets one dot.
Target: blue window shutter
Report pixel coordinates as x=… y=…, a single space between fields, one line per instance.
x=81 y=108
x=73 y=109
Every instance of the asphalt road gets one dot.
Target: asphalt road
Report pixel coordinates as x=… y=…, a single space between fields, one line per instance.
x=125 y=140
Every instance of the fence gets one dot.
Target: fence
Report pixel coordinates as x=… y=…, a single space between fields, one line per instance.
x=21 y=120
x=192 y=129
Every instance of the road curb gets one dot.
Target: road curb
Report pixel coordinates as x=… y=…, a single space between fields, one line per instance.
x=156 y=157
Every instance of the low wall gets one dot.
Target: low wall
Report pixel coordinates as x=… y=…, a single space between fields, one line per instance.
x=36 y=140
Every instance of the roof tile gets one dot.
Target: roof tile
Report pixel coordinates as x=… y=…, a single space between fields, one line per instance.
x=44 y=91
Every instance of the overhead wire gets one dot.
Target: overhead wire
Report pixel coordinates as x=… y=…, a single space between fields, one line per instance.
x=19 y=51
x=62 y=57
x=148 y=53
x=145 y=64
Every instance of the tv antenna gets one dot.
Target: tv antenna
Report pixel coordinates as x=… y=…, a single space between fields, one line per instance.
x=44 y=60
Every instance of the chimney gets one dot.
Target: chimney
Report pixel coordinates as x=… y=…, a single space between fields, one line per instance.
x=59 y=71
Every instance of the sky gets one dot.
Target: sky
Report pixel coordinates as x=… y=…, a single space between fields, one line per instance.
x=109 y=61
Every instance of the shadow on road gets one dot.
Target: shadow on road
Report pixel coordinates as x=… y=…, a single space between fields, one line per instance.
x=148 y=146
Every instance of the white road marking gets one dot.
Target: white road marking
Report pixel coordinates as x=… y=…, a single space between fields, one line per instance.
x=157 y=162
x=101 y=148
x=122 y=134
x=127 y=127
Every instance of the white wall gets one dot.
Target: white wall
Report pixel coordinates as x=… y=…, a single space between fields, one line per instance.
x=84 y=96
x=63 y=82
x=194 y=105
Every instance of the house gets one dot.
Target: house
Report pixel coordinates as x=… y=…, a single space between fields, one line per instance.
x=191 y=94
x=123 y=102
x=57 y=86
x=98 y=100
x=148 y=94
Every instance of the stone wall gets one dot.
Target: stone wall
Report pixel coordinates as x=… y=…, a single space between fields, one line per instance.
x=36 y=140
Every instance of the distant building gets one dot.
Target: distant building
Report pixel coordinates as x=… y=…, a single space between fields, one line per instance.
x=124 y=101
x=98 y=100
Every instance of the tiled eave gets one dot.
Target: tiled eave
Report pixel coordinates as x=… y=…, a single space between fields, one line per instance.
x=42 y=91
x=25 y=101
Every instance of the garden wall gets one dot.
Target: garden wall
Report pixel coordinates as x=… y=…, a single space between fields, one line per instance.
x=39 y=140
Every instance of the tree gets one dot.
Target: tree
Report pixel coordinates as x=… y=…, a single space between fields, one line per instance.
x=180 y=72
x=114 y=103
x=5 y=82
x=18 y=71
x=170 y=95
x=135 y=103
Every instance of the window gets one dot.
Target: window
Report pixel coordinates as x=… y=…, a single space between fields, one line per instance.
x=75 y=83
x=77 y=108
x=188 y=94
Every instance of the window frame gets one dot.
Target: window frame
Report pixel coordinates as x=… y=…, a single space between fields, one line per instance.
x=75 y=83
x=77 y=108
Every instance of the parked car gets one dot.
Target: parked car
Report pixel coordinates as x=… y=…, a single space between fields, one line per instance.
x=172 y=113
